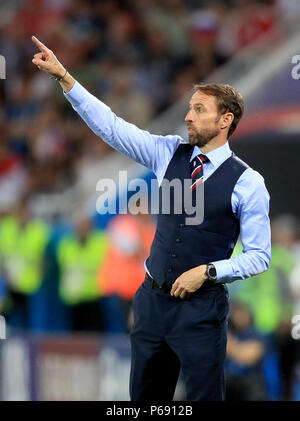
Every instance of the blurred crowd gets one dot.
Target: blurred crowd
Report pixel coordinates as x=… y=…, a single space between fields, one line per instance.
x=263 y=355
x=139 y=57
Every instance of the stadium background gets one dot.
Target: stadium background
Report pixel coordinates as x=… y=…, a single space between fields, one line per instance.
x=141 y=58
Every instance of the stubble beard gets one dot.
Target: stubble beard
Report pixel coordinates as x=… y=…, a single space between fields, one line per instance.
x=203 y=137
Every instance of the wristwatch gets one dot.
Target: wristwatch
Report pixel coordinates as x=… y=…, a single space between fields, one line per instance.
x=211 y=272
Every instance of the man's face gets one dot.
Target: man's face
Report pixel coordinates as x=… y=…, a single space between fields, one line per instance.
x=202 y=119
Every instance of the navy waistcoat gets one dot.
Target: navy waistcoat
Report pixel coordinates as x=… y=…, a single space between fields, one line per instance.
x=178 y=247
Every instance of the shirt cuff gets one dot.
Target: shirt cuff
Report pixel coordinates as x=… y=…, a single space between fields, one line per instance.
x=224 y=271
x=76 y=95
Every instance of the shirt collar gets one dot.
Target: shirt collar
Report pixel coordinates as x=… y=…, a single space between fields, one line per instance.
x=216 y=156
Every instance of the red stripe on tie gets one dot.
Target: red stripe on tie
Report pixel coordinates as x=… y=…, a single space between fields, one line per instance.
x=196 y=170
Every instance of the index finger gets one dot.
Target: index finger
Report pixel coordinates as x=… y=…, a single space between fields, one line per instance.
x=174 y=287
x=39 y=44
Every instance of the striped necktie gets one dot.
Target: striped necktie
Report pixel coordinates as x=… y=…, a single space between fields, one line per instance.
x=197 y=170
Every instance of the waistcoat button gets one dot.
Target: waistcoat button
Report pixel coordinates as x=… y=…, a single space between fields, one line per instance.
x=178 y=240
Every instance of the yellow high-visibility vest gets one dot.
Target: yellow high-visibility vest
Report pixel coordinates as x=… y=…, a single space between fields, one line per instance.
x=267 y=294
x=22 y=251
x=78 y=265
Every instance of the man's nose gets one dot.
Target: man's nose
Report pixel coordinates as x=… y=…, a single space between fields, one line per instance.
x=188 y=117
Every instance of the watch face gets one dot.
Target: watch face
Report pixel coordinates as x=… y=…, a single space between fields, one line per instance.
x=212 y=272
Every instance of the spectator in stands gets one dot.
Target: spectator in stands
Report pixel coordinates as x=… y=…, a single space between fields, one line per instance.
x=269 y=297
x=245 y=353
x=285 y=231
x=128 y=103
x=23 y=242
x=245 y=24
x=294 y=235
x=130 y=240
x=79 y=254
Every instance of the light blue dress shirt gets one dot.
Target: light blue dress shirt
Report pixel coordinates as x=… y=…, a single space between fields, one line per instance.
x=250 y=198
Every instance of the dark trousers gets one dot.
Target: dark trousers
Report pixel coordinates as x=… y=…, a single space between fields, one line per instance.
x=170 y=334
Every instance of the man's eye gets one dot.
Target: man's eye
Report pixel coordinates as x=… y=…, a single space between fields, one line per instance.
x=198 y=110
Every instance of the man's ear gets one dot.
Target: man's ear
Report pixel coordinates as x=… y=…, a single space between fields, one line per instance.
x=226 y=120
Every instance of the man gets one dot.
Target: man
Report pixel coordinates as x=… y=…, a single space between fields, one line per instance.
x=79 y=254
x=23 y=244
x=246 y=350
x=181 y=309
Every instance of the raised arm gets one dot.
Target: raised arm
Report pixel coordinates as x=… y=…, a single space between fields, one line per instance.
x=152 y=151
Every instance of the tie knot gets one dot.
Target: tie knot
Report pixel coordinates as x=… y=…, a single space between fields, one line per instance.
x=197 y=170
x=199 y=160
x=203 y=158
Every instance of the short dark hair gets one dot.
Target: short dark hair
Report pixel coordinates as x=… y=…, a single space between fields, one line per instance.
x=229 y=100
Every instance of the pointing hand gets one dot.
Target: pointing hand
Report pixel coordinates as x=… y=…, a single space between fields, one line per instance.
x=47 y=61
